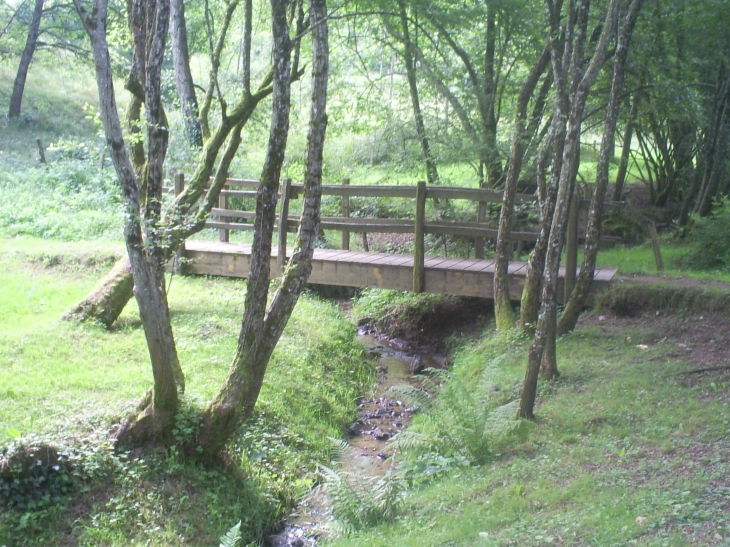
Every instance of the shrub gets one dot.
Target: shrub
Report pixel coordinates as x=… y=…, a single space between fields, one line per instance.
x=710 y=236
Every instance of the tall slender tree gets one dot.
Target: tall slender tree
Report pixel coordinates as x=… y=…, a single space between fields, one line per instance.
x=31 y=42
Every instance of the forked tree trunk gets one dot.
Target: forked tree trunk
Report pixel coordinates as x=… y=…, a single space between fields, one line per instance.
x=503 y=313
x=573 y=307
x=30 y=44
x=580 y=85
x=261 y=329
x=121 y=286
x=155 y=416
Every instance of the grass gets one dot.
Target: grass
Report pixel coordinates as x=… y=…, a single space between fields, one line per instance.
x=51 y=113
x=64 y=381
x=640 y=260
x=623 y=453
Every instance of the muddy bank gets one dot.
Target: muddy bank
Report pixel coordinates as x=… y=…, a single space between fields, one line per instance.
x=428 y=331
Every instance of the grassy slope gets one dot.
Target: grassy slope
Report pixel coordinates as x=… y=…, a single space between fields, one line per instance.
x=59 y=379
x=623 y=453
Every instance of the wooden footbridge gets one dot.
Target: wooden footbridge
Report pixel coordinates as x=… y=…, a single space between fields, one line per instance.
x=415 y=272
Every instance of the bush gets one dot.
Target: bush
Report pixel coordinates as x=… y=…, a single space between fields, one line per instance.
x=710 y=236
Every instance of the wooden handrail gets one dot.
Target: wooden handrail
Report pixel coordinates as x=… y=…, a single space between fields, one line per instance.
x=419 y=226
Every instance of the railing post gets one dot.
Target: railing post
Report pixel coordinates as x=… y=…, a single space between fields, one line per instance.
x=571 y=248
x=223 y=233
x=419 y=251
x=177 y=263
x=283 y=222
x=481 y=217
x=346 y=214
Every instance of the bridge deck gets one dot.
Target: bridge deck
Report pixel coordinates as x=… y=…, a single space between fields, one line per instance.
x=455 y=276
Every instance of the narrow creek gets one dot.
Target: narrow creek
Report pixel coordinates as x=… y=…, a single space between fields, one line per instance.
x=380 y=417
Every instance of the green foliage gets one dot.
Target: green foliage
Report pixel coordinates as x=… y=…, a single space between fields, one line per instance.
x=70 y=199
x=91 y=376
x=382 y=305
x=710 y=236
x=459 y=423
x=232 y=537
x=358 y=502
x=625 y=451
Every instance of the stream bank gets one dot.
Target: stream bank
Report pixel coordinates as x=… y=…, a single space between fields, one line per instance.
x=404 y=345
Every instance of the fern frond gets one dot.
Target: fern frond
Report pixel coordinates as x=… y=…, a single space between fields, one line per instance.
x=232 y=538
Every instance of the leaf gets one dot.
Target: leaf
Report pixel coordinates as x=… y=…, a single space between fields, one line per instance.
x=14 y=433
x=232 y=538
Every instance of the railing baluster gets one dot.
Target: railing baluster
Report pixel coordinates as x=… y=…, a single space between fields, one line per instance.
x=346 y=214
x=283 y=222
x=223 y=233
x=419 y=253
x=479 y=241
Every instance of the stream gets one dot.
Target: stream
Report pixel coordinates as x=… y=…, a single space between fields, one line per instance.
x=379 y=419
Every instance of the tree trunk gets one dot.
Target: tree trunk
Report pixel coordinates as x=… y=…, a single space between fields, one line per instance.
x=623 y=166
x=181 y=207
x=107 y=300
x=581 y=83
x=25 y=59
x=261 y=331
x=432 y=175
x=573 y=307
x=183 y=77
x=547 y=193
x=503 y=313
x=155 y=416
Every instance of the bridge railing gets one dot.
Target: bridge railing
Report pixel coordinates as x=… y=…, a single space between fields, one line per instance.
x=419 y=225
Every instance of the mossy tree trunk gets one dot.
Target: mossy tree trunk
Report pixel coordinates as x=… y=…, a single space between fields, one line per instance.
x=503 y=312
x=107 y=300
x=573 y=82
x=261 y=327
x=154 y=419
x=577 y=299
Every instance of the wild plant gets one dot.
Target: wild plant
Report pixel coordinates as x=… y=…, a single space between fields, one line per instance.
x=460 y=423
x=358 y=502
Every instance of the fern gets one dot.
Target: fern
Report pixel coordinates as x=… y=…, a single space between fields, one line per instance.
x=459 y=422
x=232 y=538
x=359 y=502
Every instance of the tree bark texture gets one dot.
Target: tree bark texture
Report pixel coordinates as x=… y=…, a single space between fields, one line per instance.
x=504 y=315
x=31 y=42
x=261 y=330
x=581 y=81
x=107 y=300
x=183 y=76
x=573 y=307
x=155 y=416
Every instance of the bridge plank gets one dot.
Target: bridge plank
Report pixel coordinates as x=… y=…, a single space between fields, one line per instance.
x=456 y=276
